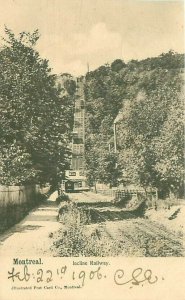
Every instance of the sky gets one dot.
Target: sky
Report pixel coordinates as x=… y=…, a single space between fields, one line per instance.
x=78 y=33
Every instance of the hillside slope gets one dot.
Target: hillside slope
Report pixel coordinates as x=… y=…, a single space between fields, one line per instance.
x=149 y=96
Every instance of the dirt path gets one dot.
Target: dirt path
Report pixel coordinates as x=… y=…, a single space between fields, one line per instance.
x=108 y=232
x=33 y=235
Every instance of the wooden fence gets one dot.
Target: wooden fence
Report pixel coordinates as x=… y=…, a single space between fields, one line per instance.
x=151 y=194
x=107 y=192
x=18 y=194
x=15 y=202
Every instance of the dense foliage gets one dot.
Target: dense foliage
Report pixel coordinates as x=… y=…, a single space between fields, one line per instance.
x=35 y=116
x=149 y=95
x=103 y=102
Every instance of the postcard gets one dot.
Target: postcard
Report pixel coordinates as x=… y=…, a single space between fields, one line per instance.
x=92 y=150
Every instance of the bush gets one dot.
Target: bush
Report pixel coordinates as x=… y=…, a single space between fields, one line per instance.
x=61 y=198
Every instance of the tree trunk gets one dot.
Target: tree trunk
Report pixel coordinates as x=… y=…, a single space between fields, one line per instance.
x=95 y=187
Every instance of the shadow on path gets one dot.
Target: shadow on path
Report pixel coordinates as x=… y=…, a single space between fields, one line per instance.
x=32 y=233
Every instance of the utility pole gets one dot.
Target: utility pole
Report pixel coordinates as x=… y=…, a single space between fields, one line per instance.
x=115 y=139
x=87 y=67
x=116 y=121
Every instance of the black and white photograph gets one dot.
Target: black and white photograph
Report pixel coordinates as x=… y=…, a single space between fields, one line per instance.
x=91 y=130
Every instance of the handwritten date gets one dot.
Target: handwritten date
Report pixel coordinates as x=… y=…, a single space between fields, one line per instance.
x=137 y=277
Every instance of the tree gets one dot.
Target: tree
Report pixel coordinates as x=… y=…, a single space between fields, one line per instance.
x=117 y=65
x=34 y=112
x=109 y=171
x=16 y=166
x=170 y=150
x=151 y=133
x=101 y=163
